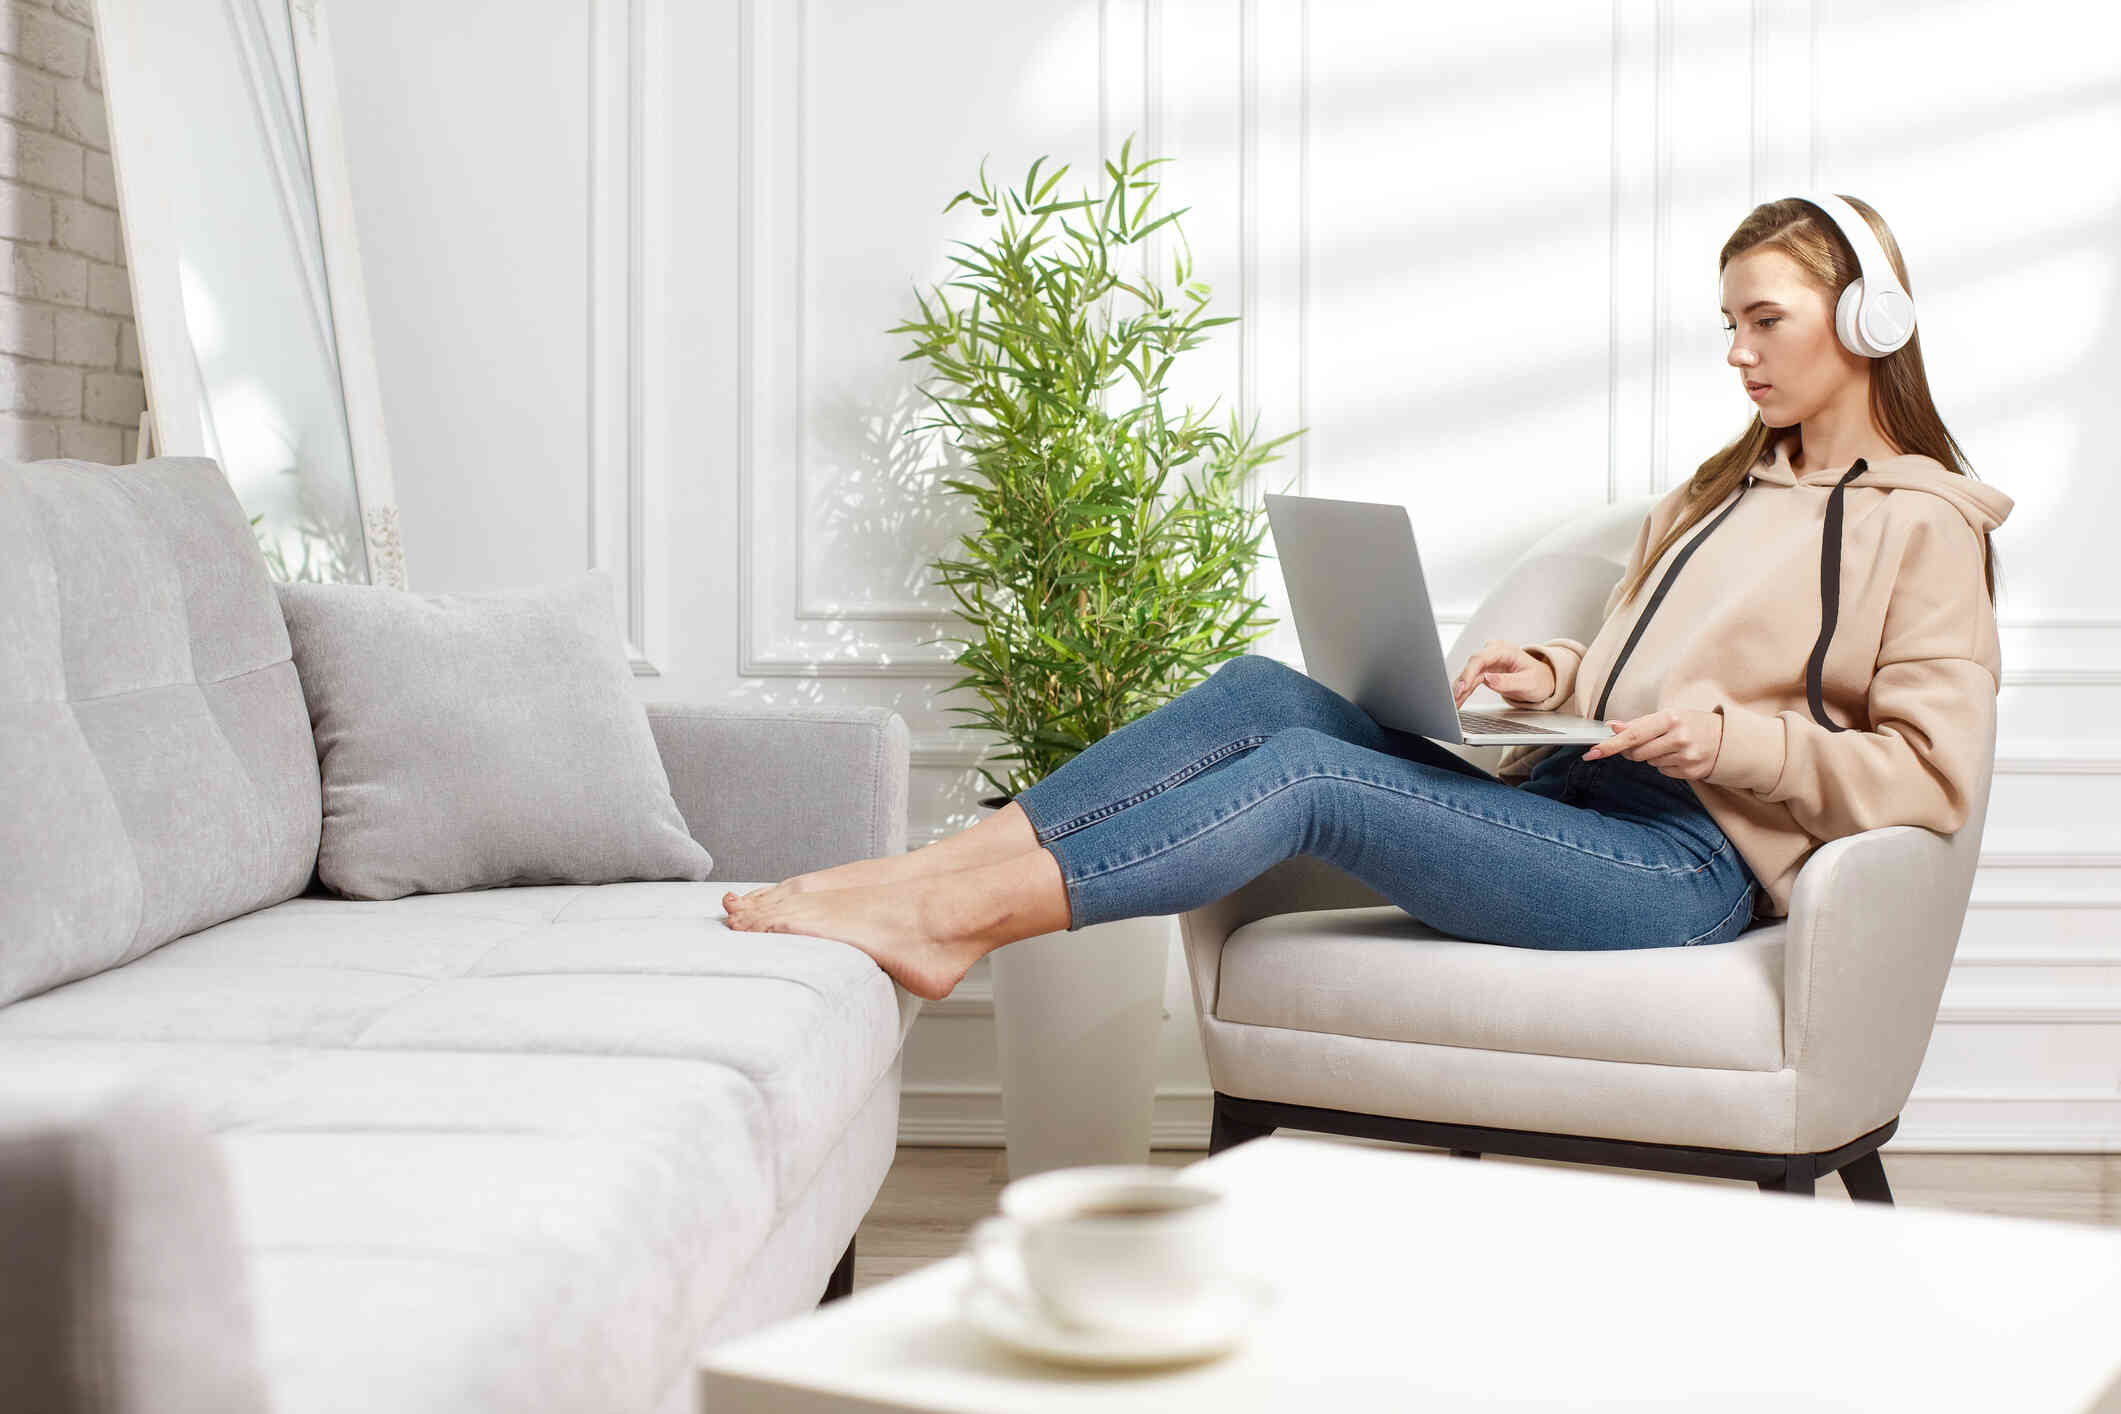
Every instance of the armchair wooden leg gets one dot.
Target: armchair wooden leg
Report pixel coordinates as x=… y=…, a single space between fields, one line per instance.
x=1797 y=1178
x=1857 y=1161
x=1226 y=1130
x=1865 y=1179
x=841 y=1283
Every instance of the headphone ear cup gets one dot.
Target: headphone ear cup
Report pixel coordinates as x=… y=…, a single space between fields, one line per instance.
x=1845 y=320
x=1889 y=320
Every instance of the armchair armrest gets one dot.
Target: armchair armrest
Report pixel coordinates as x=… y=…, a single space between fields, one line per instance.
x=1874 y=920
x=777 y=791
x=1299 y=884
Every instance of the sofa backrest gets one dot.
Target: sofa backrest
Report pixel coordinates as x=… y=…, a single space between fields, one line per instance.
x=157 y=772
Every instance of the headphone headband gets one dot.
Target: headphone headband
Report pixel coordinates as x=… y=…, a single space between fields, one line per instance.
x=1875 y=316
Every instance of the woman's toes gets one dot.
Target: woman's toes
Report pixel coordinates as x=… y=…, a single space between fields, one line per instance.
x=743 y=910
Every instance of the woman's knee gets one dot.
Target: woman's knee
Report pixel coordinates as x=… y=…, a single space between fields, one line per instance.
x=1262 y=680
x=1319 y=782
x=1302 y=750
x=1250 y=666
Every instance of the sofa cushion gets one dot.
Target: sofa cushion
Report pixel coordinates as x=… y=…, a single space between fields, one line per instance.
x=157 y=773
x=1377 y=973
x=647 y=969
x=503 y=1150
x=432 y=1231
x=470 y=741
x=125 y=1289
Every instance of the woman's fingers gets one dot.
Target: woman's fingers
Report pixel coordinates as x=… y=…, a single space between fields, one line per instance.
x=1493 y=656
x=1467 y=676
x=1509 y=679
x=1628 y=735
x=1475 y=676
x=1623 y=737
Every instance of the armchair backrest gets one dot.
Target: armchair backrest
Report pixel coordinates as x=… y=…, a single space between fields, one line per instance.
x=1556 y=589
x=1558 y=586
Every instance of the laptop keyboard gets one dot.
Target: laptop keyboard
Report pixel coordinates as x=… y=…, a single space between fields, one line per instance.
x=1482 y=722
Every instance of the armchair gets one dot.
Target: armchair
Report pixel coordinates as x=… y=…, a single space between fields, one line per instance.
x=1781 y=1055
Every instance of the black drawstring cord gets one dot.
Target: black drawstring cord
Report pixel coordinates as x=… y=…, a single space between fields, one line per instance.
x=1829 y=597
x=1658 y=598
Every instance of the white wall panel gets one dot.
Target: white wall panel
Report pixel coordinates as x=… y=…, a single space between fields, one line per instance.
x=1458 y=309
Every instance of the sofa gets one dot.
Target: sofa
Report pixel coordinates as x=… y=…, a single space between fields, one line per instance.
x=524 y=1148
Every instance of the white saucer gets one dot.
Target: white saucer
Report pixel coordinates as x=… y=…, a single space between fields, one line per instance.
x=1212 y=1329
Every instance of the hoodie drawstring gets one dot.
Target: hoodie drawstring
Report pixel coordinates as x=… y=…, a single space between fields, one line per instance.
x=1829 y=596
x=1658 y=598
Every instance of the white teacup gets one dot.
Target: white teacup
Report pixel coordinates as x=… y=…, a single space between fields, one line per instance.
x=1123 y=1245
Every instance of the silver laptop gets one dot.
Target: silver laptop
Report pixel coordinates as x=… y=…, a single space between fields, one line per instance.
x=1362 y=615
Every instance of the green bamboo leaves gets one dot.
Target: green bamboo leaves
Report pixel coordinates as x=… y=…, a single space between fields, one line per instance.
x=1097 y=595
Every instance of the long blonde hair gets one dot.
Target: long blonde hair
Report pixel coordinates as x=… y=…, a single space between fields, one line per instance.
x=1900 y=390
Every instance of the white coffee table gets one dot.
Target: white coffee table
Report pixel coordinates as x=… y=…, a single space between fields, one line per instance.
x=1410 y=1280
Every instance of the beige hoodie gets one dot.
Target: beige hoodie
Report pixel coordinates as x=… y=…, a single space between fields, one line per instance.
x=1901 y=657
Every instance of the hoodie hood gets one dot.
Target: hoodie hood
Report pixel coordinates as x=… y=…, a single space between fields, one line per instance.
x=1983 y=505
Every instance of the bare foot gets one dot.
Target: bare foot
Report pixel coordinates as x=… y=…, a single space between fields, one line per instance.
x=737 y=905
x=899 y=925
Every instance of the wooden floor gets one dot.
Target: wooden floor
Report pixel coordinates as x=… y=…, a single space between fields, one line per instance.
x=933 y=1196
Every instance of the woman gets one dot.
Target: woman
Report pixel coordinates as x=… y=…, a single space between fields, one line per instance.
x=1825 y=666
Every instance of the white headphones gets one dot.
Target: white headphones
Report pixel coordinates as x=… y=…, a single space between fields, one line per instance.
x=1875 y=316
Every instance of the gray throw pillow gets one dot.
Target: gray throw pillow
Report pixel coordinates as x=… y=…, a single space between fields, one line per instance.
x=471 y=741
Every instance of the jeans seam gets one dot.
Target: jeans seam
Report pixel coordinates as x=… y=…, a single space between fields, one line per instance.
x=1091 y=817
x=1418 y=795
x=1745 y=900
x=1721 y=851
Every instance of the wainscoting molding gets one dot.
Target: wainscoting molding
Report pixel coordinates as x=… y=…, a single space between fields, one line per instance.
x=971 y=1115
x=627 y=110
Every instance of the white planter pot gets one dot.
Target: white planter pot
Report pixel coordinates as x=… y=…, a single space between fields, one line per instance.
x=1077 y=1017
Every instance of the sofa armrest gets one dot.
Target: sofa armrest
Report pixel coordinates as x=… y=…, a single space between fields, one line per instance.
x=123 y=1283
x=1299 y=884
x=777 y=791
x=1874 y=921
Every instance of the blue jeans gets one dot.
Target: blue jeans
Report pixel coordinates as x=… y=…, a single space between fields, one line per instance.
x=1257 y=763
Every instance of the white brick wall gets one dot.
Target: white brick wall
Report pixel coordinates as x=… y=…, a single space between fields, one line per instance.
x=70 y=382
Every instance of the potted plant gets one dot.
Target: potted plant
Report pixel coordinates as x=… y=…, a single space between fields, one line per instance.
x=1096 y=593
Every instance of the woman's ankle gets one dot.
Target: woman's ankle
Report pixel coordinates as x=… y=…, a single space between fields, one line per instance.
x=1002 y=835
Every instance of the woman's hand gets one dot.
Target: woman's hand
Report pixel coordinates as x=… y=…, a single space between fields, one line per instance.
x=1521 y=679
x=1679 y=741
